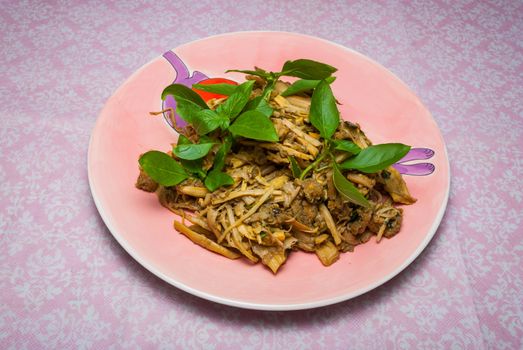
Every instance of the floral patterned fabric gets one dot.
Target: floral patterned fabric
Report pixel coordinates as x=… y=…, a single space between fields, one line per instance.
x=66 y=283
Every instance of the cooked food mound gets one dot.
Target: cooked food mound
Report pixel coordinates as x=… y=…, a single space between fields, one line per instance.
x=272 y=168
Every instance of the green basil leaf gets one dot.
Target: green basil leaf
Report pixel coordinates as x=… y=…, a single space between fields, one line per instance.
x=208 y=120
x=377 y=157
x=254 y=125
x=206 y=139
x=216 y=179
x=259 y=104
x=324 y=114
x=183 y=140
x=162 y=168
x=304 y=85
x=252 y=104
x=219 y=158
x=264 y=108
x=295 y=168
x=346 y=146
x=307 y=69
x=179 y=91
x=220 y=88
x=234 y=104
x=258 y=72
x=186 y=110
x=193 y=151
x=347 y=189
x=188 y=102
x=195 y=167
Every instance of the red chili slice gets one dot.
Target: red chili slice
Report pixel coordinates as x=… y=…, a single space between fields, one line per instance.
x=206 y=96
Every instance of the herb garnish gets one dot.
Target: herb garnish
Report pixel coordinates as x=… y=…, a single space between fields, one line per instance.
x=242 y=116
x=162 y=168
x=376 y=157
x=325 y=117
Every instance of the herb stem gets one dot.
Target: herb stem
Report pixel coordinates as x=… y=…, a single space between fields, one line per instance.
x=315 y=163
x=172 y=118
x=323 y=167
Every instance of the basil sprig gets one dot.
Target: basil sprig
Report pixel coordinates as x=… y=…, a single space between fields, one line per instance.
x=310 y=71
x=324 y=116
x=236 y=101
x=237 y=116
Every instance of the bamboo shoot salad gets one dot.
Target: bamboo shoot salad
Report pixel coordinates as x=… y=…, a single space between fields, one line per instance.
x=271 y=168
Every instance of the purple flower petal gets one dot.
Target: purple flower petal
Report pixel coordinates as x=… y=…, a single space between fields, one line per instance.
x=182 y=77
x=420 y=169
x=417 y=154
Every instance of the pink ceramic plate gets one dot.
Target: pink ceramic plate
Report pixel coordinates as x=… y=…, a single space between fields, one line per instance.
x=369 y=94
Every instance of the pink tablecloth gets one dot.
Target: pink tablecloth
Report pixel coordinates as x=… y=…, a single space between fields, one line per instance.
x=66 y=283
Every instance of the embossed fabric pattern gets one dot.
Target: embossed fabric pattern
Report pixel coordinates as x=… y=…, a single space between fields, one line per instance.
x=66 y=283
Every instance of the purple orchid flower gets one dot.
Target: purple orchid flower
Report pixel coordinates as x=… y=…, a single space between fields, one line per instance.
x=183 y=77
x=416 y=169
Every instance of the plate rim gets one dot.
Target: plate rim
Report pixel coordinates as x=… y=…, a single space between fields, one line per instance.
x=252 y=305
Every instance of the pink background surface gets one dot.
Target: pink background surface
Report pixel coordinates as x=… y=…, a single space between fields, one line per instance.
x=65 y=281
